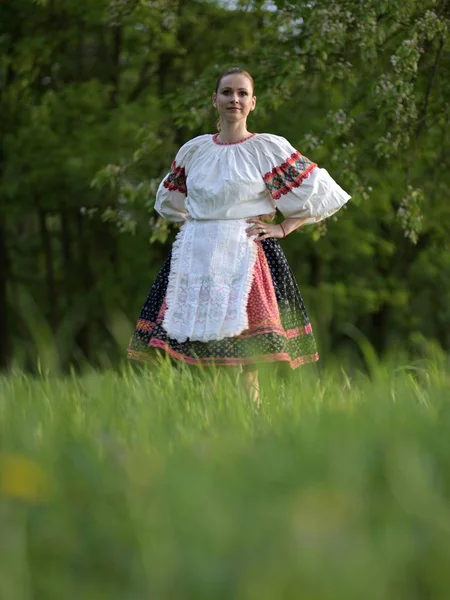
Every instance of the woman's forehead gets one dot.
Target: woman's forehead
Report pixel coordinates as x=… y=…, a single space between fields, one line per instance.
x=235 y=80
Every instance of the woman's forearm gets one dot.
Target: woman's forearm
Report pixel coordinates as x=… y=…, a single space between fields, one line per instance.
x=290 y=225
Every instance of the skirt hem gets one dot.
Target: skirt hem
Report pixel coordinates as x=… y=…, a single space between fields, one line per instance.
x=225 y=361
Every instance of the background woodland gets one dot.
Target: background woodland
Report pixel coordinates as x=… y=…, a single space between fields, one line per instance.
x=96 y=98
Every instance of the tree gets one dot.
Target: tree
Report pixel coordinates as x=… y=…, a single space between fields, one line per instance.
x=97 y=97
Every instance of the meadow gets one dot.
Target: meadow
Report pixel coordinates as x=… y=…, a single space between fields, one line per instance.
x=131 y=482
x=147 y=483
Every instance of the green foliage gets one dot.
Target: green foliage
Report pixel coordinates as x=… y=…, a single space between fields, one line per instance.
x=96 y=98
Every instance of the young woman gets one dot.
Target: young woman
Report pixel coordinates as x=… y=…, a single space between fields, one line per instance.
x=226 y=294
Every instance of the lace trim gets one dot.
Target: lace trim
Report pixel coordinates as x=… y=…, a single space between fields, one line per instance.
x=289 y=175
x=176 y=179
x=172 y=283
x=216 y=141
x=255 y=329
x=248 y=286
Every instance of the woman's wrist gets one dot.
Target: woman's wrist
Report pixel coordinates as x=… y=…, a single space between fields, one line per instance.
x=291 y=224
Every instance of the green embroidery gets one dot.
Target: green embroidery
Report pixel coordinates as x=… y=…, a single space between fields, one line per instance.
x=290 y=174
x=176 y=179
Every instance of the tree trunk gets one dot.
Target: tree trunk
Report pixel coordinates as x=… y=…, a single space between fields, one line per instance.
x=49 y=268
x=67 y=253
x=164 y=64
x=115 y=73
x=316 y=269
x=380 y=328
x=5 y=341
x=83 y=338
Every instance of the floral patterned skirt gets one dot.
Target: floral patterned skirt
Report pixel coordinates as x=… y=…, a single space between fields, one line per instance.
x=279 y=328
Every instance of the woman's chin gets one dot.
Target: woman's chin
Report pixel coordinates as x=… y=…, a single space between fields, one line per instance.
x=233 y=116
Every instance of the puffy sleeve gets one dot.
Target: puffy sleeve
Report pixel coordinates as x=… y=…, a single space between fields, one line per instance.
x=172 y=191
x=299 y=187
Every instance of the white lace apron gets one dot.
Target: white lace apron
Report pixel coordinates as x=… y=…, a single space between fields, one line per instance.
x=210 y=278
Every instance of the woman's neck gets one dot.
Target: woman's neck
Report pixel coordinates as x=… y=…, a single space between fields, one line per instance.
x=232 y=132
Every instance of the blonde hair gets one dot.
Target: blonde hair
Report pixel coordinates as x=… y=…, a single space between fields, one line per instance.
x=232 y=71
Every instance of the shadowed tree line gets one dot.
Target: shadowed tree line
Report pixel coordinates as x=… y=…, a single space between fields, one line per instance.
x=96 y=98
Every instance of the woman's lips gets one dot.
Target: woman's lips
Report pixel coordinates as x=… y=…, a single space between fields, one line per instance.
x=234 y=108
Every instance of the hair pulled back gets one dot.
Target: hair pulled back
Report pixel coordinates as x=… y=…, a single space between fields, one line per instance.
x=232 y=71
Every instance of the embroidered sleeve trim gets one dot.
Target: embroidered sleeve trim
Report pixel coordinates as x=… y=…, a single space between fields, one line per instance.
x=176 y=179
x=289 y=175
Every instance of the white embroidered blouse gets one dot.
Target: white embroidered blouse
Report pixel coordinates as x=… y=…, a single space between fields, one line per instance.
x=254 y=176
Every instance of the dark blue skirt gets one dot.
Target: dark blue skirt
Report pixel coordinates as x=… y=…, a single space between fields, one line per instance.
x=279 y=327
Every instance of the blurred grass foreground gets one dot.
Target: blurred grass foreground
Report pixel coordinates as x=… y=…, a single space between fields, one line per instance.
x=146 y=483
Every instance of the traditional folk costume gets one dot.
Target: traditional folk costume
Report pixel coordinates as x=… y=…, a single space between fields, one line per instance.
x=222 y=297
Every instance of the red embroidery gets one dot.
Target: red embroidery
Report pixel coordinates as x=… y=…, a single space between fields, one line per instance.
x=176 y=179
x=296 y=362
x=254 y=329
x=289 y=175
x=216 y=141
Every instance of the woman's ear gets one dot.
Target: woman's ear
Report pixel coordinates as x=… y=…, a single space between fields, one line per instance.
x=214 y=100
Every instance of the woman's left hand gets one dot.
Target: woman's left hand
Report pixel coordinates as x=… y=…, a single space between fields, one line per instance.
x=263 y=230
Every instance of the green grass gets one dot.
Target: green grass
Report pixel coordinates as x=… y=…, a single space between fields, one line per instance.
x=144 y=484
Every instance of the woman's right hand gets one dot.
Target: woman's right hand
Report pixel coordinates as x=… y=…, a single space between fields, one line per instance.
x=268 y=217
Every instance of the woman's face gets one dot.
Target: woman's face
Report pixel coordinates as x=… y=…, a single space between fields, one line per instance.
x=234 y=99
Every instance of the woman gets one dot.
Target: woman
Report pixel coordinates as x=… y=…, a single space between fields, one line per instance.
x=226 y=295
